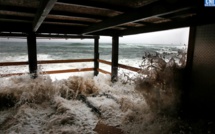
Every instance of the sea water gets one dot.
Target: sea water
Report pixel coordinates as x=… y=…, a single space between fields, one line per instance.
x=41 y=107
x=129 y=54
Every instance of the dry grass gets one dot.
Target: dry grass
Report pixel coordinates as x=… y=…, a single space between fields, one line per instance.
x=18 y=92
x=76 y=85
x=43 y=89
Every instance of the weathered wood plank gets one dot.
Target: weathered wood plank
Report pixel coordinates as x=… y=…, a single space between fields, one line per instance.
x=121 y=66
x=64 y=61
x=105 y=62
x=129 y=68
x=45 y=62
x=12 y=74
x=103 y=71
x=13 y=63
x=52 y=72
x=68 y=71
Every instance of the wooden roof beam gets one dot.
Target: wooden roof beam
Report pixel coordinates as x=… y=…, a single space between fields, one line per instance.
x=12 y=35
x=67 y=36
x=195 y=20
x=138 y=14
x=156 y=27
x=18 y=9
x=42 y=12
x=98 y=5
x=13 y=17
x=63 y=36
x=47 y=20
x=52 y=12
x=69 y=14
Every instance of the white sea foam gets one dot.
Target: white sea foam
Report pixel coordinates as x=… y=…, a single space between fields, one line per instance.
x=49 y=104
x=40 y=108
x=10 y=58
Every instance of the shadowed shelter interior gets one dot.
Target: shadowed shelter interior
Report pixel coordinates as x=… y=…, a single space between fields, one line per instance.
x=93 y=18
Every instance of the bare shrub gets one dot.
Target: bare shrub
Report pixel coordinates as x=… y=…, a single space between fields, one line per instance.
x=159 y=81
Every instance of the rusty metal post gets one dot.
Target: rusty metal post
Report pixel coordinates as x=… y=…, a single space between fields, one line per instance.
x=96 y=56
x=115 y=54
x=32 y=54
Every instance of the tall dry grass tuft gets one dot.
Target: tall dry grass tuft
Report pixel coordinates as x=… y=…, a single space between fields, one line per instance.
x=76 y=85
x=20 y=90
x=17 y=92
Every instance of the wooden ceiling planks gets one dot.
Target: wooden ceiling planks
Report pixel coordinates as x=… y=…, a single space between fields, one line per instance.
x=99 y=17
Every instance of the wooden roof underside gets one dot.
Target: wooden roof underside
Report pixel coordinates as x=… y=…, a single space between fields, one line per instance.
x=100 y=17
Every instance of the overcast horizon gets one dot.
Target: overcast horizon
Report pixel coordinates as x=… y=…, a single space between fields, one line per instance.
x=175 y=36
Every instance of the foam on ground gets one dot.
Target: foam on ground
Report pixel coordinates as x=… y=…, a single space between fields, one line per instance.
x=46 y=105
